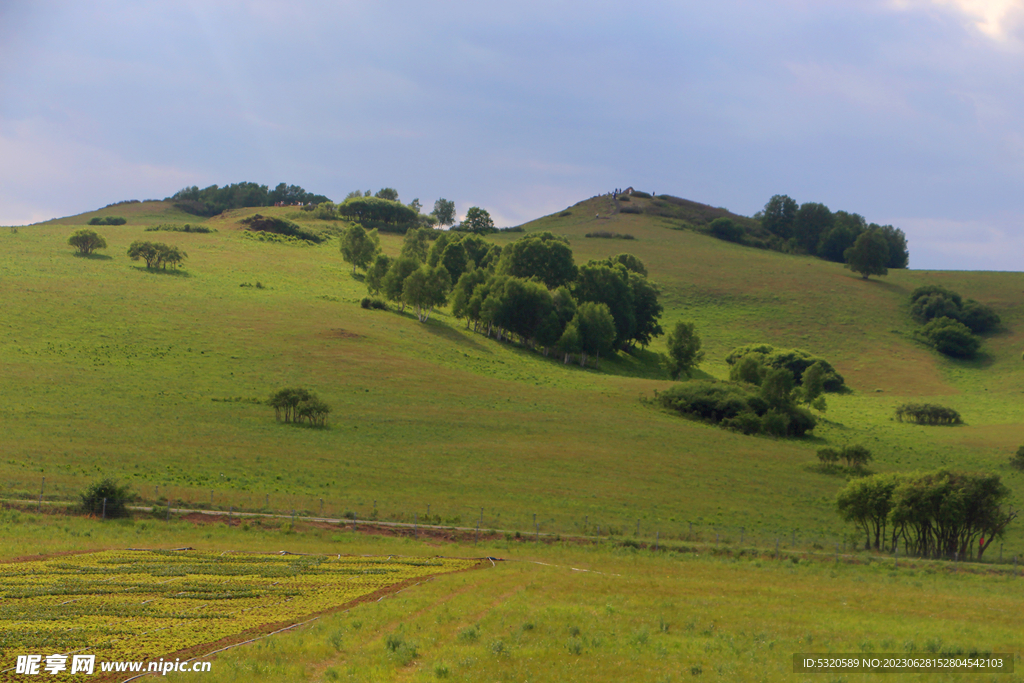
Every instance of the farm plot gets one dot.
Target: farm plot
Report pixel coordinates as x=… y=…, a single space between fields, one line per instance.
x=146 y=604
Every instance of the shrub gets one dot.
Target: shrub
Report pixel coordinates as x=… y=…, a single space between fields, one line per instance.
x=642 y=195
x=933 y=301
x=373 y=303
x=631 y=209
x=107 y=220
x=951 y=338
x=855 y=455
x=116 y=497
x=86 y=241
x=1017 y=459
x=735 y=407
x=927 y=414
x=604 y=234
x=280 y=226
x=725 y=229
x=180 y=228
x=794 y=360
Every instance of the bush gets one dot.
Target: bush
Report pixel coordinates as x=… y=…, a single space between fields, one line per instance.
x=107 y=220
x=604 y=234
x=86 y=241
x=642 y=195
x=725 y=229
x=828 y=456
x=735 y=407
x=951 y=338
x=631 y=209
x=932 y=302
x=374 y=303
x=180 y=228
x=280 y=226
x=1017 y=460
x=794 y=360
x=116 y=497
x=927 y=414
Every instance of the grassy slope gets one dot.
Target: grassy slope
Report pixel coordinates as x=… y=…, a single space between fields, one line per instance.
x=114 y=370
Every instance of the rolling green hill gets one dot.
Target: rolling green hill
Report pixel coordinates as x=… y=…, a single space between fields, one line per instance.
x=158 y=379
x=129 y=373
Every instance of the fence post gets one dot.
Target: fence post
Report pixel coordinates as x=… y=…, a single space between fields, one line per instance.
x=415 y=522
x=104 y=508
x=168 y=511
x=776 y=548
x=41 y=489
x=638 y=527
x=896 y=549
x=741 y=535
x=321 y=507
x=657 y=537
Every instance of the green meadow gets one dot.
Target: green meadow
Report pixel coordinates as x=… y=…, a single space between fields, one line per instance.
x=156 y=378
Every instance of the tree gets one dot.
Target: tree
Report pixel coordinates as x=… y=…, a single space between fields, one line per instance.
x=632 y=263
x=394 y=281
x=415 y=205
x=777 y=388
x=811 y=222
x=569 y=342
x=646 y=310
x=539 y=255
x=425 y=288
x=417 y=243
x=297 y=404
x=86 y=241
x=813 y=382
x=599 y=283
x=156 y=254
x=868 y=502
x=779 y=215
x=455 y=260
x=1017 y=459
x=477 y=221
x=388 y=193
x=359 y=247
x=107 y=498
x=868 y=255
x=726 y=229
x=899 y=255
x=462 y=294
x=596 y=329
x=376 y=273
x=684 y=350
x=855 y=455
x=444 y=211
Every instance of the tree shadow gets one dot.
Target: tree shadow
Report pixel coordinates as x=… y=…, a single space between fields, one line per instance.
x=447 y=332
x=93 y=256
x=160 y=271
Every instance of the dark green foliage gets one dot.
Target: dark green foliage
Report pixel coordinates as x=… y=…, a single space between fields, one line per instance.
x=86 y=241
x=794 y=360
x=812 y=220
x=779 y=215
x=213 y=200
x=376 y=273
x=899 y=255
x=735 y=407
x=813 y=381
x=951 y=337
x=855 y=455
x=1017 y=460
x=748 y=369
x=156 y=254
x=107 y=220
x=280 y=226
x=726 y=229
x=539 y=255
x=684 y=350
x=604 y=234
x=299 y=405
x=941 y=514
x=927 y=414
x=444 y=211
x=116 y=497
x=868 y=255
x=392 y=284
x=601 y=283
x=630 y=262
x=180 y=228
x=933 y=301
x=777 y=387
x=647 y=310
x=375 y=212
x=388 y=193
x=630 y=209
x=426 y=288
x=477 y=221
x=828 y=456
x=374 y=303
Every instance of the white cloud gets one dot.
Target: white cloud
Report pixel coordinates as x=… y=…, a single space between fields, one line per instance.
x=997 y=19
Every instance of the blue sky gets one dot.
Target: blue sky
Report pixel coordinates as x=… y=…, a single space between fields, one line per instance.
x=910 y=112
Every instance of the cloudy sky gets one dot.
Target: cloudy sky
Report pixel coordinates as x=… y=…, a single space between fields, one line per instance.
x=909 y=112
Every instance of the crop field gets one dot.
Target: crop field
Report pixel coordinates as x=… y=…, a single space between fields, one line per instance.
x=142 y=604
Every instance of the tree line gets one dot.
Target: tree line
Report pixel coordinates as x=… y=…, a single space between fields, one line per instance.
x=942 y=514
x=213 y=200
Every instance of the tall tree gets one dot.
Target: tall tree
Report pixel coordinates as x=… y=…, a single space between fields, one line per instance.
x=684 y=351
x=477 y=221
x=600 y=283
x=868 y=255
x=444 y=211
x=359 y=247
x=811 y=222
x=596 y=329
x=539 y=255
x=778 y=215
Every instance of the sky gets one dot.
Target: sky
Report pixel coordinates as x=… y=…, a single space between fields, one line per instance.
x=909 y=112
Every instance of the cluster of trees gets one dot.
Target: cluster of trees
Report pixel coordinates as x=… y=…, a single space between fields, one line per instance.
x=812 y=228
x=532 y=290
x=86 y=241
x=156 y=254
x=107 y=498
x=855 y=455
x=951 y=324
x=299 y=405
x=213 y=200
x=771 y=409
x=108 y=220
x=927 y=414
x=751 y=362
x=941 y=514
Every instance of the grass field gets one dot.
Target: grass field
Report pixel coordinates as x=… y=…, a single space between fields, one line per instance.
x=155 y=378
